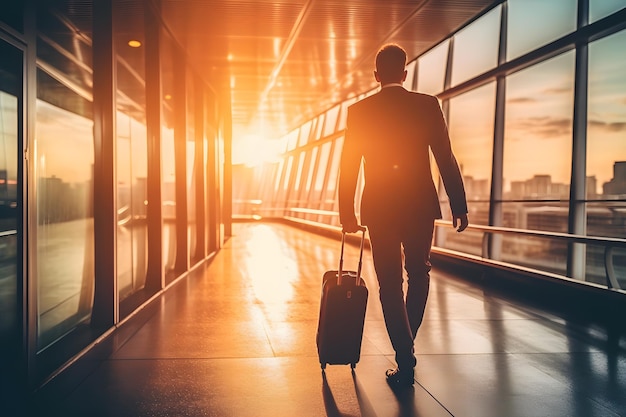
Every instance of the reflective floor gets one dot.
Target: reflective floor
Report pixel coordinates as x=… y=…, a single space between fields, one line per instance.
x=237 y=338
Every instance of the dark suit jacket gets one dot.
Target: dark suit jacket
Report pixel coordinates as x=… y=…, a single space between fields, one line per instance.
x=392 y=131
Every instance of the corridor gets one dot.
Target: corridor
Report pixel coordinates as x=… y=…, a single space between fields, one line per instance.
x=237 y=338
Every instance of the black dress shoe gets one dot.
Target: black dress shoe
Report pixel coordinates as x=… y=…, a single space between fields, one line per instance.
x=397 y=378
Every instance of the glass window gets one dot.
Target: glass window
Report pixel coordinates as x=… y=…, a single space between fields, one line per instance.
x=64 y=47
x=132 y=238
x=63 y=158
x=318 y=127
x=602 y=8
x=210 y=170
x=296 y=185
x=547 y=255
x=476 y=47
x=168 y=161
x=606 y=153
x=410 y=75
x=343 y=116
x=538 y=131
x=192 y=229
x=13 y=14
x=534 y=23
x=471 y=117
x=281 y=196
x=131 y=155
x=431 y=69
x=331 y=121
x=320 y=176
x=606 y=130
x=305 y=132
x=470 y=124
x=292 y=139
x=309 y=176
x=605 y=218
x=287 y=173
x=279 y=172
x=10 y=181
x=300 y=183
x=322 y=164
x=333 y=174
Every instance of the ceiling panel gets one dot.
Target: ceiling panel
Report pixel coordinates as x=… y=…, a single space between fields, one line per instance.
x=285 y=61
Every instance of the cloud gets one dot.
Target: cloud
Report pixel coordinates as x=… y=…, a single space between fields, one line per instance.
x=561 y=90
x=610 y=127
x=521 y=100
x=545 y=127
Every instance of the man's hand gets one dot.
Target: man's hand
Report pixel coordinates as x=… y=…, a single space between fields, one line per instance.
x=461 y=220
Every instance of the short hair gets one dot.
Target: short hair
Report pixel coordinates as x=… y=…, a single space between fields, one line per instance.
x=390 y=63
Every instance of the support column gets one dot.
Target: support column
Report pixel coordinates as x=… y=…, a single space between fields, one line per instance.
x=105 y=308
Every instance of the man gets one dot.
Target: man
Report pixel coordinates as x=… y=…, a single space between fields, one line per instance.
x=392 y=131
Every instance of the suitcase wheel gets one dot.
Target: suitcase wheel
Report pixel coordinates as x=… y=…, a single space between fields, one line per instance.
x=323 y=365
x=353 y=365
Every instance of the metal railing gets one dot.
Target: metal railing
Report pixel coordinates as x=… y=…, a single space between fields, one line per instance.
x=609 y=243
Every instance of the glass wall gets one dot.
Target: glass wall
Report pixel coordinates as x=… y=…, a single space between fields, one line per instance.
x=332 y=182
x=538 y=131
x=11 y=102
x=13 y=15
x=431 y=69
x=131 y=152
x=470 y=125
x=599 y=9
x=534 y=23
x=513 y=135
x=62 y=158
x=606 y=152
x=90 y=262
x=168 y=170
x=537 y=161
x=211 y=199
x=468 y=60
x=409 y=81
x=192 y=235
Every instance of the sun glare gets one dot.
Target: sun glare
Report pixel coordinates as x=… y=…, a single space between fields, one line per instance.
x=254 y=150
x=271 y=269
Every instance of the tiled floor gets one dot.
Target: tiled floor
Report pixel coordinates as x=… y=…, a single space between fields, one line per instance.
x=238 y=339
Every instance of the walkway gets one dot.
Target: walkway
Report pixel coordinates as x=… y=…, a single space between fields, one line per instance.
x=238 y=339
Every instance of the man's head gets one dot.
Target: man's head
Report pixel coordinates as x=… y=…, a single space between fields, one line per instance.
x=390 y=63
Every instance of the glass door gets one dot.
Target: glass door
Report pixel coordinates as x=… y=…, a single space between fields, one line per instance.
x=11 y=104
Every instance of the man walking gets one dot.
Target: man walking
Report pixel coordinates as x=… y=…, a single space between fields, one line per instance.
x=392 y=131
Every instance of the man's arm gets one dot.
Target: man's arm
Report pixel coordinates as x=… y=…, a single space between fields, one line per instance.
x=448 y=167
x=348 y=176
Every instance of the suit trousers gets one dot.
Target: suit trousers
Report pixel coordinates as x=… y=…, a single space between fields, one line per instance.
x=391 y=245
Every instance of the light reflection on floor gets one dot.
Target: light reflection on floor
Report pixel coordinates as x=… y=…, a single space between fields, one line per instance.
x=238 y=339
x=271 y=266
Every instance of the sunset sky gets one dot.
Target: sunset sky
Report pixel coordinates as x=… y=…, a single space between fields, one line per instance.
x=538 y=118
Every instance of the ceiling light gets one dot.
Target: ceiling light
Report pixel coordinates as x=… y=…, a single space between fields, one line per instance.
x=133 y=43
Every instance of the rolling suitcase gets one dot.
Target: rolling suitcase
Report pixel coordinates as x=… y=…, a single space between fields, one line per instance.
x=342 y=314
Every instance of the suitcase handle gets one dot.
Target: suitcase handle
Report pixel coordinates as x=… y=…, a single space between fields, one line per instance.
x=358 y=272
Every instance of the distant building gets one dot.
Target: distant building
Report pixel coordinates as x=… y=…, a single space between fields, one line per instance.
x=592 y=183
x=617 y=185
x=539 y=186
x=476 y=189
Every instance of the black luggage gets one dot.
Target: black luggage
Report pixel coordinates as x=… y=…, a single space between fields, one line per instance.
x=342 y=314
